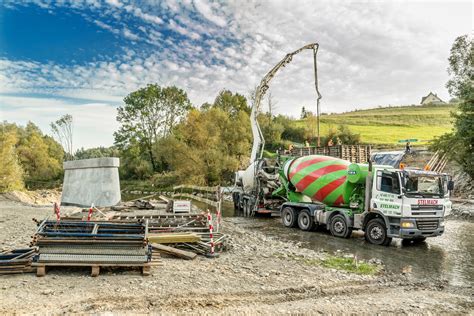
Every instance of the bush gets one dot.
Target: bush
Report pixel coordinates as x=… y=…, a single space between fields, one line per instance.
x=11 y=174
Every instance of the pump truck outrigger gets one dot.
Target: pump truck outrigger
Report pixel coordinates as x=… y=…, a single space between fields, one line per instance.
x=312 y=191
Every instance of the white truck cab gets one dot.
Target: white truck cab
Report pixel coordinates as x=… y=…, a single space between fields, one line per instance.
x=409 y=204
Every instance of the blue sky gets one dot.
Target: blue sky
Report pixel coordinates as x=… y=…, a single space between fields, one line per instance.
x=84 y=57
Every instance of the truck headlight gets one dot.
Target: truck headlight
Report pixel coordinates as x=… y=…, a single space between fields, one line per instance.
x=407 y=225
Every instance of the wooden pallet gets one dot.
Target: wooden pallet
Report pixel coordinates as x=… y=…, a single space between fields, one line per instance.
x=41 y=268
x=352 y=153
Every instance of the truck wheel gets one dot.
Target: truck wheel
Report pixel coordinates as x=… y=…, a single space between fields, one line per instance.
x=339 y=227
x=305 y=221
x=288 y=217
x=246 y=208
x=376 y=232
x=236 y=198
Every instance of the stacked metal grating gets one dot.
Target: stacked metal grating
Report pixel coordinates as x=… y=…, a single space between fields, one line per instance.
x=92 y=243
x=170 y=223
x=175 y=229
x=16 y=261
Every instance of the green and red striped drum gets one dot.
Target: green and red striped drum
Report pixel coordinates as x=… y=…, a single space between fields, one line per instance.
x=325 y=179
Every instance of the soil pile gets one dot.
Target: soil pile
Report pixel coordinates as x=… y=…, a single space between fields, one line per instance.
x=39 y=197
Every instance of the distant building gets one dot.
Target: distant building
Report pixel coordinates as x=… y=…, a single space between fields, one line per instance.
x=431 y=98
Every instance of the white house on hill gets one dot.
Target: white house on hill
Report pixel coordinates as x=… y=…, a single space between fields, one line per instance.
x=431 y=98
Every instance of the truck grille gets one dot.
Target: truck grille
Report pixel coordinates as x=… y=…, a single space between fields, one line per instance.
x=427 y=224
x=427 y=210
x=424 y=212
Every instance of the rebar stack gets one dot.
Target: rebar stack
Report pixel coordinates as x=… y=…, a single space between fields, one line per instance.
x=92 y=243
x=171 y=223
x=196 y=224
x=16 y=261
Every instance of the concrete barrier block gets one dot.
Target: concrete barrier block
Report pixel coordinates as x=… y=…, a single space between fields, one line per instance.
x=90 y=181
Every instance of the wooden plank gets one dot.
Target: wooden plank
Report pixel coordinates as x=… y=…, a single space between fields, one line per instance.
x=41 y=270
x=146 y=270
x=173 y=238
x=95 y=271
x=163 y=198
x=188 y=255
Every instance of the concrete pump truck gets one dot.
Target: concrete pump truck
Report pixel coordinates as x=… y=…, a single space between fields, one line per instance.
x=317 y=190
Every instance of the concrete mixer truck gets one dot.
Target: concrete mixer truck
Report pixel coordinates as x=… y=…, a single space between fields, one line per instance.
x=313 y=190
x=382 y=201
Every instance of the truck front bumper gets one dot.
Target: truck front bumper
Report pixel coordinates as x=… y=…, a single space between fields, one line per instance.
x=421 y=227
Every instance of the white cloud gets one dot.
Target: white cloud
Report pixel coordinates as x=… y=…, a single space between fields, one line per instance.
x=130 y=35
x=94 y=123
x=206 y=10
x=115 y=3
x=183 y=31
x=370 y=53
x=106 y=27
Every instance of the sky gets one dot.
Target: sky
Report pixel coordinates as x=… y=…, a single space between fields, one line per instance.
x=83 y=57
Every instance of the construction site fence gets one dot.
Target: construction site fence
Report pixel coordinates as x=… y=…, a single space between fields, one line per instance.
x=209 y=195
x=352 y=153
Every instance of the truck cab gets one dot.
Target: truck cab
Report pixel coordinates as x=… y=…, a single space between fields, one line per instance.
x=408 y=204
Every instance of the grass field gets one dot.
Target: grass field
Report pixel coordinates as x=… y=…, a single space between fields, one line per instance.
x=385 y=126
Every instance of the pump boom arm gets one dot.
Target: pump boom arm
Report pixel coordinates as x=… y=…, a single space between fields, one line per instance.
x=258 y=140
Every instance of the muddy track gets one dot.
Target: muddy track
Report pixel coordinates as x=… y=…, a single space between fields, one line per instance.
x=211 y=301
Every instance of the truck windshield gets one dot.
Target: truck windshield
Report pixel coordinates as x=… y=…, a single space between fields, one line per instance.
x=424 y=186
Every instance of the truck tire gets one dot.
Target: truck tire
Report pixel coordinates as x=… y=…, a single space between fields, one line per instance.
x=339 y=227
x=246 y=208
x=376 y=232
x=305 y=221
x=236 y=200
x=288 y=217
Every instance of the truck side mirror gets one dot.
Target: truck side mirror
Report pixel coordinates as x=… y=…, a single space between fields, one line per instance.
x=450 y=185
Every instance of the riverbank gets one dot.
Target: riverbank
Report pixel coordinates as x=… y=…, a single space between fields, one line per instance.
x=260 y=273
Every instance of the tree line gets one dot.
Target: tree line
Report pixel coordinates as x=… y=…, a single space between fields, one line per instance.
x=164 y=139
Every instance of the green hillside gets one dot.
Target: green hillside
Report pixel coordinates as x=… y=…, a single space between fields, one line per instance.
x=389 y=124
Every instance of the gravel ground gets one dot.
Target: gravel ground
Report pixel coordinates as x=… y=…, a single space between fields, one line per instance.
x=464 y=211
x=257 y=275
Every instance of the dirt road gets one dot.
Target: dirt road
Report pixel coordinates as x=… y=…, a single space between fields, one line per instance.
x=260 y=274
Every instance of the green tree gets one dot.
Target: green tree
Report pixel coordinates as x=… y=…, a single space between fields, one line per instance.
x=229 y=102
x=311 y=130
x=135 y=163
x=271 y=129
x=342 y=136
x=346 y=136
x=205 y=149
x=291 y=132
x=149 y=114
x=459 y=144
x=11 y=173
x=40 y=156
x=96 y=152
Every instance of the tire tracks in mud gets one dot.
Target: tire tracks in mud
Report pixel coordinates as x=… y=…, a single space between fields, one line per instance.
x=212 y=301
